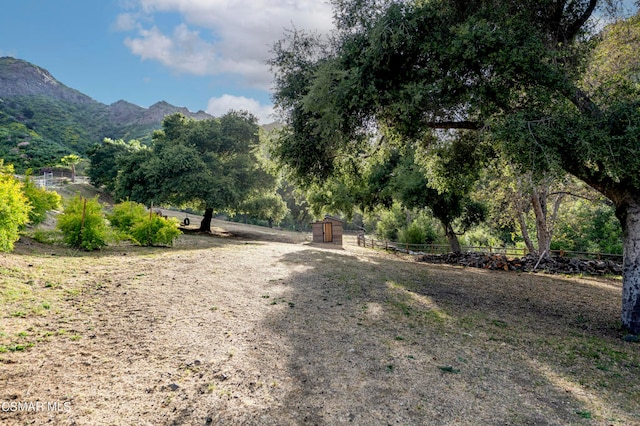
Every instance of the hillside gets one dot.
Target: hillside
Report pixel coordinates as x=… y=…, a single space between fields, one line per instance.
x=41 y=119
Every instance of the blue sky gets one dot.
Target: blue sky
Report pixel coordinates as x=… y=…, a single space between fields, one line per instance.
x=202 y=54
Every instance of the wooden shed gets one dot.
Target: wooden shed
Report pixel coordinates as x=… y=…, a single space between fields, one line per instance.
x=328 y=231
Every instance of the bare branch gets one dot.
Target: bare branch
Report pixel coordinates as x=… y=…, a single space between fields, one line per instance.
x=468 y=125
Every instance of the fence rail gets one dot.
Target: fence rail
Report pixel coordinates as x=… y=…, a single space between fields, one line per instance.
x=49 y=181
x=364 y=241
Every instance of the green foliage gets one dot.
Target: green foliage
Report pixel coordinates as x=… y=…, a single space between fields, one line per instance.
x=269 y=207
x=613 y=69
x=155 y=231
x=14 y=208
x=25 y=148
x=588 y=227
x=41 y=201
x=208 y=163
x=77 y=124
x=124 y=215
x=71 y=161
x=133 y=220
x=482 y=236
x=399 y=224
x=104 y=158
x=390 y=222
x=83 y=224
x=412 y=234
x=299 y=215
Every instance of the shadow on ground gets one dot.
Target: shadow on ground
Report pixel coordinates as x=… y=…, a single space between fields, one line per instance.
x=379 y=340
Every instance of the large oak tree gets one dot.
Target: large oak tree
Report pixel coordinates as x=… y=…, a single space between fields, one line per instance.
x=522 y=73
x=209 y=163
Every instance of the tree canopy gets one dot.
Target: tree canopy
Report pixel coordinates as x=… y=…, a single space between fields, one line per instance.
x=208 y=163
x=532 y=78
x=105 y=158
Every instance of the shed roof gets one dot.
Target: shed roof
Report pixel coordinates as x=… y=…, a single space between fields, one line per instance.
x=329 y=217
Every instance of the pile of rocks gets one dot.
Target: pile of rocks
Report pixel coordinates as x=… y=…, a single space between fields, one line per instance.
x=528 y=263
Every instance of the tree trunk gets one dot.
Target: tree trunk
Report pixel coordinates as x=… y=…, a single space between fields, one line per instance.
x=270 y=220
x=630 y=220
x=452 y=237
x=525 y=232
x=539 y=203
x=205 y=225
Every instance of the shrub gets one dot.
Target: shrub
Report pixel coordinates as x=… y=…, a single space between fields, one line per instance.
x=389 y=222
x=83 y=224
x=41 y=201
x=14 y=208
x=412 y=234
x=134 y=221
x=429 y=225
x=126 y=214
x=155 y=231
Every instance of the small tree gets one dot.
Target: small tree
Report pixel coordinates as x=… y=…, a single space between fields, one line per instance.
x=41 y=200
x=71 y=160
x=83 y=224
x=14 y=208
x=269 y=207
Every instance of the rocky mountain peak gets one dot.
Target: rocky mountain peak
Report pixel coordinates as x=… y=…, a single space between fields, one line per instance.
x=21 y=78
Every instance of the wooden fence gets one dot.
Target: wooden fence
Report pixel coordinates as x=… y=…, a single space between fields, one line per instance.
x=364 y=241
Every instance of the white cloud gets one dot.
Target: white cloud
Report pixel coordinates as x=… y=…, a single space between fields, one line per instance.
x=222 y=105
x=234 y=37
x=182 y=51
x=125 y=22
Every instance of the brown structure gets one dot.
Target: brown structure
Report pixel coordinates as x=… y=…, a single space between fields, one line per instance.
x=328 y=231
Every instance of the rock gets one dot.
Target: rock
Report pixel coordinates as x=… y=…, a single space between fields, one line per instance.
x=552 y=265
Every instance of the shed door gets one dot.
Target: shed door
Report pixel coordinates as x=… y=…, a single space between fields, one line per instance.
x=328 y=232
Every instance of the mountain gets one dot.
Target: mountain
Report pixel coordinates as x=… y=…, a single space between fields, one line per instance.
x=41 y=119
x=20 y=78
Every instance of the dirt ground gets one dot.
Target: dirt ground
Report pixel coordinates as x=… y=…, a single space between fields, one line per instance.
x=259 y=327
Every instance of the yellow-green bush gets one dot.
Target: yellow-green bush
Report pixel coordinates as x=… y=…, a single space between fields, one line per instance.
x=14 y=208
x=133 y=220
x=83 y=224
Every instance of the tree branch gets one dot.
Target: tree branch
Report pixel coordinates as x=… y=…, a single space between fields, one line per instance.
x=468 y=125
x=581 y=100
x=571 y=194
x=572 y=30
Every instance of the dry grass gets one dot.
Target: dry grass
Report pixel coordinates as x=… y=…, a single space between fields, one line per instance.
x=260 y=328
